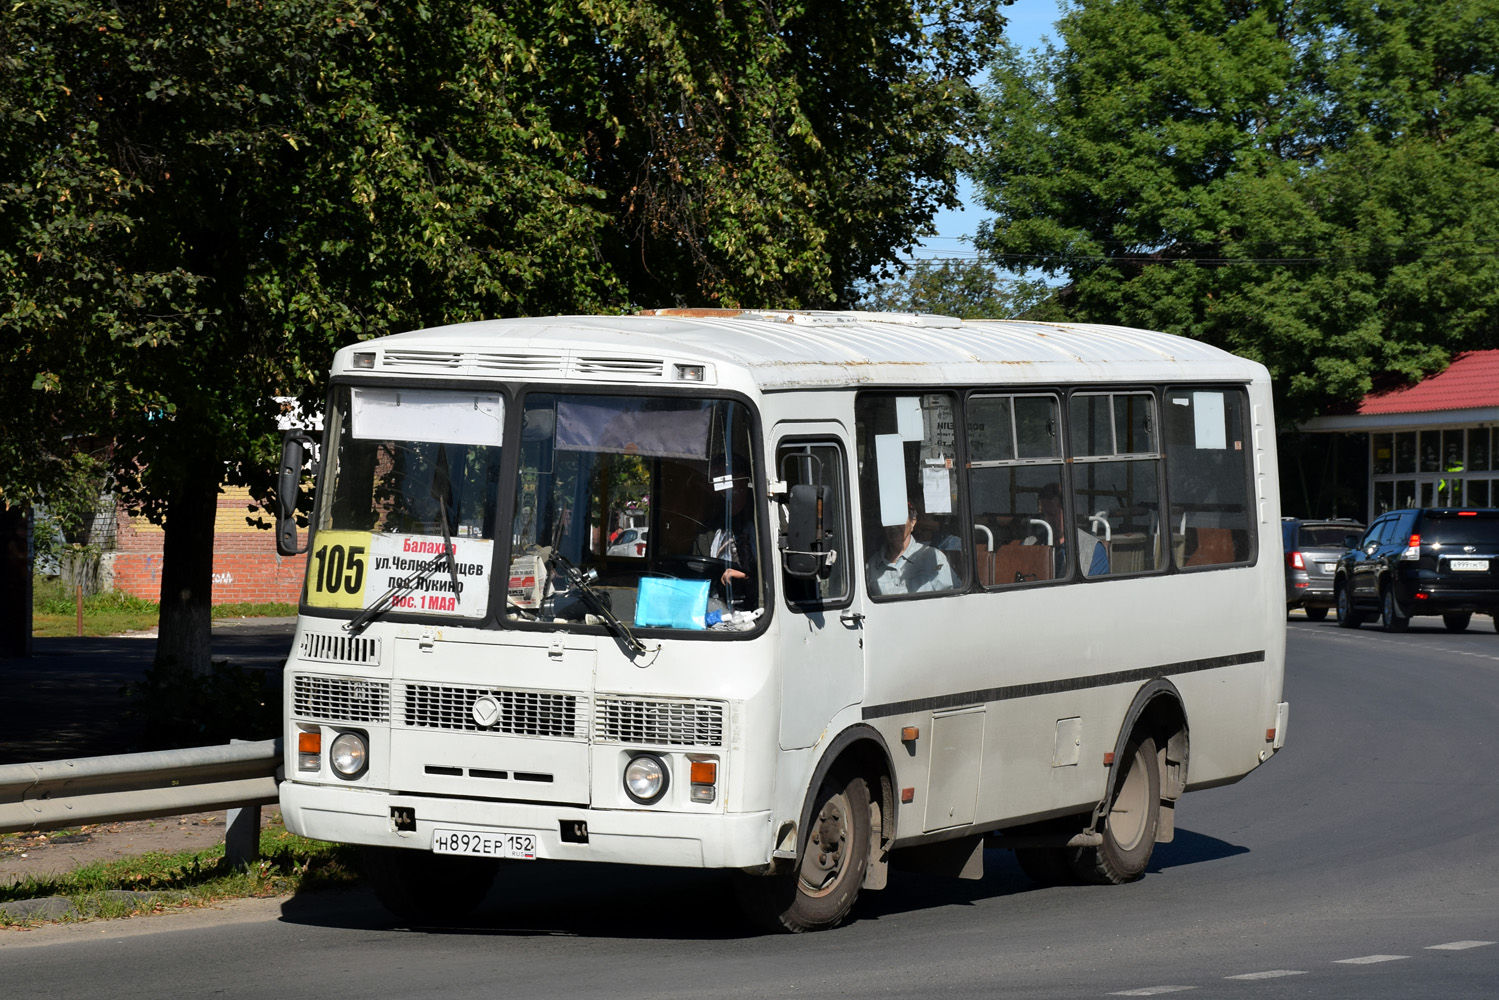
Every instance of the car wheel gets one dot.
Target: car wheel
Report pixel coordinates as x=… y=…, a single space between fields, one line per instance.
x=1316 y=614
x=1347 y=617
x=1394 y=621
x=1457 y=621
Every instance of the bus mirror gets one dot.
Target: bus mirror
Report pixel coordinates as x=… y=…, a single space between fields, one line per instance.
x=802 y=542
x=295 y=448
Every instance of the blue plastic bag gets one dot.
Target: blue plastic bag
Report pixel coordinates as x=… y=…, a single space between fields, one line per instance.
x=672 y=603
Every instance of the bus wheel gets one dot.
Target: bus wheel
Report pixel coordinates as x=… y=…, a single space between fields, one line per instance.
x=423 y=887
x=819 y=893
x=1130 y=827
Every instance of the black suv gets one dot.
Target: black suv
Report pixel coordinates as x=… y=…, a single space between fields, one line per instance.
x=1435 y=561
x=1312 y=552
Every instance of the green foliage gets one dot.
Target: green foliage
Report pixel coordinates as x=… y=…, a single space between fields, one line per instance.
x=185 y=709
x=50 y=596
x=200 y=201
x=1312 y=184
x=968 y=289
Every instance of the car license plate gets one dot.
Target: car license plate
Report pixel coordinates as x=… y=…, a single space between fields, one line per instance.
x=1328 y=567
x=485 y=843
x=1469 y=565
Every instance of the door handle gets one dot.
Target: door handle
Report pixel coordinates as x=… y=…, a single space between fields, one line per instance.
x=853 y=619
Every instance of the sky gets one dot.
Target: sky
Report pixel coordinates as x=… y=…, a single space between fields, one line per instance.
x=1028 y=21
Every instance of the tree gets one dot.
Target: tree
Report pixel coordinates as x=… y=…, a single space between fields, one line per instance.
x=968 y=289
x=1311 y=184
x=200 y=201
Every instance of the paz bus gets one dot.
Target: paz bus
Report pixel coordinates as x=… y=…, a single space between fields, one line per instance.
x=897 y=588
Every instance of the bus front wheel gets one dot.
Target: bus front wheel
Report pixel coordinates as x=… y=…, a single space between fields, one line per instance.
x=820 y=891
x=423 y=887
x=1129 y=829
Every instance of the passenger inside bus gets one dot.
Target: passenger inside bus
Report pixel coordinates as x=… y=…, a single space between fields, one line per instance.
x=1089 y=548
x=903 y=565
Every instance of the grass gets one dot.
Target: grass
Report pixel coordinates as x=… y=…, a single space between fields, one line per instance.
x=54 y=612
x=288 y=864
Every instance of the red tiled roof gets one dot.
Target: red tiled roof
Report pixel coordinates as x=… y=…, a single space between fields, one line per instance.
x=1472 y=380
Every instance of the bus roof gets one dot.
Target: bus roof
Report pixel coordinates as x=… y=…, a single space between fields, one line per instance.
x=781 y=350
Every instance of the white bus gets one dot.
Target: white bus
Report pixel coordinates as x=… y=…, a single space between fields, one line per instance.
x=897 y=587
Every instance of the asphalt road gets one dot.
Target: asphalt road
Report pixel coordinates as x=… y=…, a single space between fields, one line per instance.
x=1358 y=863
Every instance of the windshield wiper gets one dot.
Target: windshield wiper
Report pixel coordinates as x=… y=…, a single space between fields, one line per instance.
x=400 y=589
x=583 y=583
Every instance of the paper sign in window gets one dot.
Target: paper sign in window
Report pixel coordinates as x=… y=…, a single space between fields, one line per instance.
x=427 y=415
x=1208 y=424
x=890 y=459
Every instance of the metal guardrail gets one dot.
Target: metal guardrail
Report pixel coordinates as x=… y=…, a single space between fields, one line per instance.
x=238 y=777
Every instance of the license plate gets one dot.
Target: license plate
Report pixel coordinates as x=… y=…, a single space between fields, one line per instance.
x=1469 y=565
x=485 y=843
x=1328 y=567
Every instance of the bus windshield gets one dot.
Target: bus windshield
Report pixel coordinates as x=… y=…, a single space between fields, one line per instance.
x=644 y=503
x=413 y=475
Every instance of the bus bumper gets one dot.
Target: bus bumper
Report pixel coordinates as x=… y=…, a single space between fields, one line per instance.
x=637 y=837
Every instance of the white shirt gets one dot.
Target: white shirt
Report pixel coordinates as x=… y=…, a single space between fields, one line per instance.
x=919 y=569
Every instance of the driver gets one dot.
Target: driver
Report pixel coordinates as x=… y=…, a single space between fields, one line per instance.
x=733 y=541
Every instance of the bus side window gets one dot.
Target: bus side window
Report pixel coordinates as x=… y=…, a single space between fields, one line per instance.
x=831 y=587
x=1014 y=459
x=1208 y=476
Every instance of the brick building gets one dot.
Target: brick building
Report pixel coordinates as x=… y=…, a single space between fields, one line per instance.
x=246 y=567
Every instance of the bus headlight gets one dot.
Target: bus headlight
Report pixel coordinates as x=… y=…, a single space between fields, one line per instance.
x=646 y=778
x=349 y=755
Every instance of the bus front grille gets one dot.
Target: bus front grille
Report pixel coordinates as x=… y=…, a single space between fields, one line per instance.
x=659 y=722
x=515 y=713
x=339 y=648
x=340 y=699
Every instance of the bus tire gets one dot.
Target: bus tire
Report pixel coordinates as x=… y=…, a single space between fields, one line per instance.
x=820 y=891
x=1129 y=829
x=1348 y=616
x=423 y=887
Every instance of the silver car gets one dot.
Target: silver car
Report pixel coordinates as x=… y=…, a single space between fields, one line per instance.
x=1312 y=552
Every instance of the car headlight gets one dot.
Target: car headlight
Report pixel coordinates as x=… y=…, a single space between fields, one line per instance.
x=646 y=778
x=349 y=755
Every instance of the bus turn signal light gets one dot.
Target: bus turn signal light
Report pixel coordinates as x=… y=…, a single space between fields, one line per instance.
x=910 y=734
x=704 y=774
x=309 y=751
x=1270 y=735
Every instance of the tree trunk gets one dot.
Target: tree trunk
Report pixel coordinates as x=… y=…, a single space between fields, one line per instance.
x=182 y=643
x=15 y=581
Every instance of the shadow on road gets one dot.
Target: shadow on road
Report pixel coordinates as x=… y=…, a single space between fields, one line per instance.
x=1190 y=848
x=569 y=899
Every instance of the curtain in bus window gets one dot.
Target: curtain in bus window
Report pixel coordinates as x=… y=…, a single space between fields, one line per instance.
x=1208 y=476
x=1014 y=460
x=1115 y=477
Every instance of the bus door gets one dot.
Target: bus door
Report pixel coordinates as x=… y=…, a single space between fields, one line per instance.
x=822 y=636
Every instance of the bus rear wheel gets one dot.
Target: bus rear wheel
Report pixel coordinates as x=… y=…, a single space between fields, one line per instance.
x=423 y=887
x=820 y=892
x=1129 y=829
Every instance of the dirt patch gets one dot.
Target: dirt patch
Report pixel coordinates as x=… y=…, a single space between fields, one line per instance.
x=45 y=855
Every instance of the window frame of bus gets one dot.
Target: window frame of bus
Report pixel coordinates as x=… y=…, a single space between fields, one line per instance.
x=1076 y=462
x=1057 y=461
x=838 y=493
x=1246 y=465
x=963 y=575
x=767 y=566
